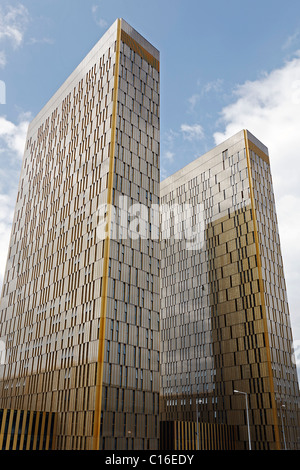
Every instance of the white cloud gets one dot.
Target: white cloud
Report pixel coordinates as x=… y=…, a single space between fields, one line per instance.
x=13 y=136
x=12 y=144
x=214 y=85
x=168 y=141
x=269 y=108
x=193 y=100
x=170 y=136
x=291 y=40
x=99 y=21
x=7 y=203
x=168 y=156
x=44 y=40
x=192 y=132
x=13 y=22
x=2 y=59
x=2 y=92
x=163 y=173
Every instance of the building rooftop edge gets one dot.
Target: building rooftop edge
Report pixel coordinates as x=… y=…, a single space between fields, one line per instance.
x=218 y=148
x=140 y=39
x=56 y=97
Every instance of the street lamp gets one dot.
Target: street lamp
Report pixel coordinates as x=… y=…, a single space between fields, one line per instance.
x=282 y=406
x=246 y=396
x=197 y=425
x=198 y=400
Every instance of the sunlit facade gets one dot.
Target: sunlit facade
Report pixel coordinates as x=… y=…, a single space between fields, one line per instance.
x=179 y=339
x=79 y=313
x=225 y=323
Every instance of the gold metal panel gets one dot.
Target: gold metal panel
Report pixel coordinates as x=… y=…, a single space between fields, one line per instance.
x=2 y=427
x=23 y=432
x=42 y=431
x=139 y=50
x=16 y=429
x=262 y=290
x=258 y=152
x=37 y=419
x=9 y=429
x=100 y=365
x=30 y=431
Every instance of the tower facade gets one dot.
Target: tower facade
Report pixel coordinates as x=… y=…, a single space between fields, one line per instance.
x=226 y=340
x=79 y=312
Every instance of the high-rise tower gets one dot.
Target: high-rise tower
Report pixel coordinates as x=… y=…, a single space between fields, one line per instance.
x=79 y=311
x=225 y=324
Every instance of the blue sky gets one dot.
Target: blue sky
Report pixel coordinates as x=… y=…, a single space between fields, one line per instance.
x=225 y=65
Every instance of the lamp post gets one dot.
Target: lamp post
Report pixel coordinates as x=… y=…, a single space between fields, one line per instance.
x=246 y=397
x=197 y=424
x=282 y=406
x=198 y=400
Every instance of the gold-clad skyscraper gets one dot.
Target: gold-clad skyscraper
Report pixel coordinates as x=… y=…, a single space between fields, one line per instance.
x=94 y=291
x=79 y=312
x=226 y=339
